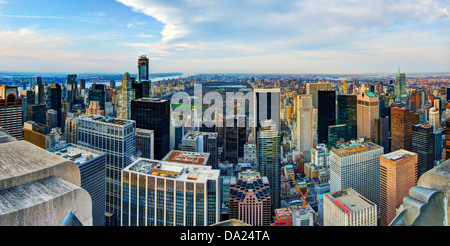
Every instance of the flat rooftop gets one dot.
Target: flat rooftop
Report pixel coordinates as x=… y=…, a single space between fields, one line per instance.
x=398 y=155
x=355 y=149
x=186 y=157
x=107 y=119
x=349 y=200
x=193 y=135
x=75 y=153
x=173 y=170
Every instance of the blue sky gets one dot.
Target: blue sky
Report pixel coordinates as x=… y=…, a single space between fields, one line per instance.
x=289 y=36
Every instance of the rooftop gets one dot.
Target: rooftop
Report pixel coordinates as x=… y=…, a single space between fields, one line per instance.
x=173 y=170
x=398 y=155
x=107 y=119
x=75 y=153
x=194 y=134
x=355 y=149
x=186 y=157
x=349 y=201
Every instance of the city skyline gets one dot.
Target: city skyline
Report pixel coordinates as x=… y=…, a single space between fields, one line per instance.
x=225 y=37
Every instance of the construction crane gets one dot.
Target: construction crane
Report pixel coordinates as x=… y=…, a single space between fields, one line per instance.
x=304 y=196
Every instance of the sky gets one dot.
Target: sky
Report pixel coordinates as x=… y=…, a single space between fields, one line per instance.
x=225 y=36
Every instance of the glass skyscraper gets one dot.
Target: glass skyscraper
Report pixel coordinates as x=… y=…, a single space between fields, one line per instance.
x=326 y=111
x=347 y=113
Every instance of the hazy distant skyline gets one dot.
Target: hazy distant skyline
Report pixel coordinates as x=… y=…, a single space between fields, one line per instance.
x=206 y=36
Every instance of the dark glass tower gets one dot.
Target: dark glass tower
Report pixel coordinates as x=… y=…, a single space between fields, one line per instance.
x=55 y=101
x=326 y=113
x=99 y=96
x=347 y=113
x=422 y=144
x=143 y=68
x=154 y=114
x=71 y=87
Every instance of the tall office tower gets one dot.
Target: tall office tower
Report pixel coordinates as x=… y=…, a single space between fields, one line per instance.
x=143 y=68
x=305 y=123
x=71 y=87
x=267 y=106
x=447 y=139
x=250 y=199
x=367 y=112
x=202 y=142
x=82 y=85
x=145 y=143
x=398 y=173
x=400 y=88
x=439 y=141
x=357 y=167
x=382 y=132
x=235 y=137
x=39 y=91
x=98 y=96
x=71 y=129
x=347 y=114
x=434 y=117
x=95 y=109
x=423 y=145
x=125 y=95
x=437 y=104
x=326 y=112
x=402 y=121
x=345 y=86
x=348 y=208
x=176 y=136
x=117 y=139
x=36 y=113
x=55 y=101
x=52 y=118
x=154 y=114
x=313 y=90
x=160 y=193
x=250 y=154
x=415 y=101
x=336 y=133
x=269 y=159
x=11 y=111
x=92 y=171
x=39 y=188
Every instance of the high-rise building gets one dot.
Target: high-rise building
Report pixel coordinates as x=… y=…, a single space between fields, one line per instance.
x=347 y=114
x=143 y=68
x=154 y=114
x=117 y=139
x=348 y=208
x=125 y=95
x=11 y=111
x=267 y=106
x=187 y=157
x=70 y=133
x=336 y=133
x=415 y=101
x=439 y=145
x=145 y=143
x=202 y=142
x=269 y=159
x=400 y=88
x=447 y=139
x=434 y=117
x=160 y=193
x=52 y=118
x=313 y=90
x=357 y=167
x=398 y=173
x=326 y=113
x=402 y=121
x=98 y=96
x=92 y=171
x=250 y=198
x=235 y=137
x=95 y=109
x=423 y=145
x=367 y=112
x=71 y=87
x=306 y=114
x=55 y=101
x=382 y=132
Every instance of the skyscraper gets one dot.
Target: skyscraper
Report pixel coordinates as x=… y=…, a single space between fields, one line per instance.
x=402 y=121
x=398 y=173
x=434 y=117
x=269 y=159
x=357 y=167
x=160 y=193
x=367 y=112
x=250 y=198
x=267 y=106
x=11 y=111
x=326 y=112
x=55 y=101
x=313 y=89
x=305 y=123
x=125 y=96
x=347 y=114
x=154 y=114
x=117 y=139
x=71 y=87
x=382 y=132
x=423 y=145
x=145 y=143
x=400 y=88
x=143 y=68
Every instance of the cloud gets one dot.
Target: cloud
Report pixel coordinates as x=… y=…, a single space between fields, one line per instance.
x=31 y=16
